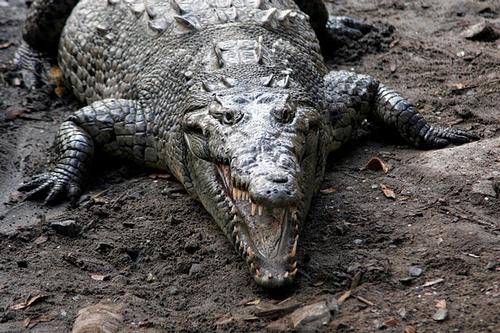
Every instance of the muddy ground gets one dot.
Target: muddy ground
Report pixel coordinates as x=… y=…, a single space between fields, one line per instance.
x=161 y=257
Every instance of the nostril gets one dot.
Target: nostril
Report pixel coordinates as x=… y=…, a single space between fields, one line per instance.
x=278 y=179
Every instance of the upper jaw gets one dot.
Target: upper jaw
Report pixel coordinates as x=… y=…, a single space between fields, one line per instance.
x=264 y=235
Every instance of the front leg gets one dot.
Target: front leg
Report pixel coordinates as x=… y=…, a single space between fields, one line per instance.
x=351 y=98
x=117 y=127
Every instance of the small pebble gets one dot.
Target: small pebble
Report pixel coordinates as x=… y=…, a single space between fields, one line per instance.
x=415 y=271
x=440 y=315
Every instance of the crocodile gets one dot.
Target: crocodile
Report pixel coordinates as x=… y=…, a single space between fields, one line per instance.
x=232 y=97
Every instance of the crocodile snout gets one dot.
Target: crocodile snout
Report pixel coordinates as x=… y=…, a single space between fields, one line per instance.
x=277 y=190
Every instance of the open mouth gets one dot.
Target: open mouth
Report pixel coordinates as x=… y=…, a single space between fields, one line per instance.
x=265 y=236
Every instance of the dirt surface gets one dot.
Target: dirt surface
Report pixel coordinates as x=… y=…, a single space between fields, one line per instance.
x=139 y=240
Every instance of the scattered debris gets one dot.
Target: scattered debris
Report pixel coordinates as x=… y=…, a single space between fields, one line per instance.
x=266 y=310
x=195 y=269
x=364 y=300
x=226 y=319
x=402 y=313
x=441 y=304
x=410 y=329
x=377 y=164
x=150 y=278
x=41 y=239
x=67 y=227
x=32 y=321
x=250 y=302
x=29 y=301
x=432 y=283
x=391 y=322
x=387 y=192
x=316 y=315
x=99 y=318
x=483 y=31
x=415 y=271
x=344 y=297
x=328 y=190
x=100 y=277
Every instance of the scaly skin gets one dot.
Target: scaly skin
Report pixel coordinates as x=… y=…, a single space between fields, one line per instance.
x=233 y=97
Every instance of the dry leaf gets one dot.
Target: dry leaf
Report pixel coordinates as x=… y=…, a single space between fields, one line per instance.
x=30 y=301
x=226 y=319
x=387 y=192
x=31 y=322
x=441 y=304
x=253 y=302
x=457 y=86
x=328 y=190
x=376 y=164
x=344 y=297
x=410 y=329
x=391 y=322
x=40 y=240
x=100 y=277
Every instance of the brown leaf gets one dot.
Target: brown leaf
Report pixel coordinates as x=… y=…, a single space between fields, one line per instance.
x=31 y=322
x=344 y=297
x=30 y=301
x=328 y=190
x=387 y=192
x=391 y=322
x=410 y=329
x=376 y=164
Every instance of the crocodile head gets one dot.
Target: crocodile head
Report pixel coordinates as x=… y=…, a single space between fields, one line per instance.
x=253 y=159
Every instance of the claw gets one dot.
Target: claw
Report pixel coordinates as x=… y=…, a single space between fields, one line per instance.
x=38 y=191
x=53 y=194
x=33 y=183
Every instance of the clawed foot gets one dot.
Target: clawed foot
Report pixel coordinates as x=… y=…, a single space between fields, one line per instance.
x=33 y=65
x=439 y=137
x=344 y=28
x=54 y=186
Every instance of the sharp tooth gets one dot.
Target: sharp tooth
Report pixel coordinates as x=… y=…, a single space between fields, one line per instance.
x=294 y=266
x=233 y=210
x=260 y=209
x=292 y=273
x=270 y=276
x=286 y=275
x=237 y=238
x=235 y=231
x=252 y=267
x=234 y=193
x=254 y=209
x=257 y=272
x=241 y=246
x=294 y=248
x=250 y=253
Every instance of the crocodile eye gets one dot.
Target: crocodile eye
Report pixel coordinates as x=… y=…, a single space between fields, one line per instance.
x=285 y=114
x=223 y=115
